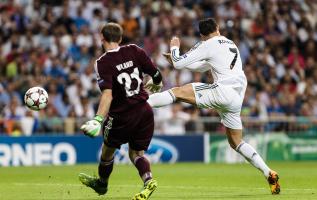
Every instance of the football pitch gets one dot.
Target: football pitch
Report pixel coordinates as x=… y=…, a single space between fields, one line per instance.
x=192 y=181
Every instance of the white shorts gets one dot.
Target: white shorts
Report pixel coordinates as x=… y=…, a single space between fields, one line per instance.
x=226 y=100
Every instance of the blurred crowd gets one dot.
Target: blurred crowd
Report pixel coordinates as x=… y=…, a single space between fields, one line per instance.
x=54 y=44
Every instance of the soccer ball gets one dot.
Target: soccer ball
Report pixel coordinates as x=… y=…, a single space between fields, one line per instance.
x=36 y=98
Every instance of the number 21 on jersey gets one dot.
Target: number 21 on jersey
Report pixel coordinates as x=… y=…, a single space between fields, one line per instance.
x=126 y=79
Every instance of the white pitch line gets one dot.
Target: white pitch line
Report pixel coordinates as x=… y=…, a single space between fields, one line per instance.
x=48 y=184
x=161 y=186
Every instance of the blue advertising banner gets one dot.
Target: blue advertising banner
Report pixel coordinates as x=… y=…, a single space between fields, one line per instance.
x=58 y=150
x=40 y=150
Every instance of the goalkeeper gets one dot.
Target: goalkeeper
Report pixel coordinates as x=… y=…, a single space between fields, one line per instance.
x=129 y=117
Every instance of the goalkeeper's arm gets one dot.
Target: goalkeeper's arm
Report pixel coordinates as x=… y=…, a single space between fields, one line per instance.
x=92 y=127
x=155 y=84
x=105 y=102
x=157 y=77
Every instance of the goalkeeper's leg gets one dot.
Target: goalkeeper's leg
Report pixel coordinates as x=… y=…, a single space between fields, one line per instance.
x=143 y=166
x=250 y=154
x=100 y=184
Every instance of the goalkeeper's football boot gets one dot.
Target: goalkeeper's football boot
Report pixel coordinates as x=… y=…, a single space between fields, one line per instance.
x=94 y=183
x=147 y=190
x=273 y=182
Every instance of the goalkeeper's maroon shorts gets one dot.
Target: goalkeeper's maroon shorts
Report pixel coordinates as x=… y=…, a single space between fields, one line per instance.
x=135 y=127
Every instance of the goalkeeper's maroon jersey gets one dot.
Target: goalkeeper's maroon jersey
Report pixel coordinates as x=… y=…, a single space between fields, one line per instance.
x=121 y=70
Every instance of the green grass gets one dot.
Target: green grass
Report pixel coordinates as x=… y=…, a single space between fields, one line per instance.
x=176 y=182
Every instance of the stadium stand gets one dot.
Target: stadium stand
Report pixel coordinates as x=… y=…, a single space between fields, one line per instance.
x=54 y=45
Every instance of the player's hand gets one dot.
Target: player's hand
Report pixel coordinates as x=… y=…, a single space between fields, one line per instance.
x=92 y=127
x=175 y=42
x=153 y=87
x=168 y=58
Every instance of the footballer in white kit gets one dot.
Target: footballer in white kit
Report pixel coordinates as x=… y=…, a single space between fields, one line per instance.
x=220 y=55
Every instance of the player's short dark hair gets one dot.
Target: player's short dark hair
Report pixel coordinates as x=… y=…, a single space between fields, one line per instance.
x=207 y=26
x=112 y=32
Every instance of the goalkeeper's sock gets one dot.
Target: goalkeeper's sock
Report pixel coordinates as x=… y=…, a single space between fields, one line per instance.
x=249 y=153
x=143 y=166
x=105 y=169
x=161 y=99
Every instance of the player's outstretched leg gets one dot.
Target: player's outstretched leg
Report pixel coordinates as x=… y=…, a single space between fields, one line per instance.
x=143 y=166
x=157 y=100
x=100 y=185
x=274 y=183
x=250 y=154
x=183 y=93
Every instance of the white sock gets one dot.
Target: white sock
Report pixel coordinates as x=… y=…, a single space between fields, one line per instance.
x=249 y=153
x=161 y=99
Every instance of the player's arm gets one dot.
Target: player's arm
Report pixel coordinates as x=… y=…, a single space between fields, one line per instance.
x=197 y=53
x=92 y=127
x=199 y=66
x=105 y=102
x=155 y=84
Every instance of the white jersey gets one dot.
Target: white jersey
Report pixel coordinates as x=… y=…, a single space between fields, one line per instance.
x=218 y=54
x=226 y=94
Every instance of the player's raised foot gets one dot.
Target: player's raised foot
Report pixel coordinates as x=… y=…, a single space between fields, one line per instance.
x=273 y=182
x=94 y=183
x=147 y=190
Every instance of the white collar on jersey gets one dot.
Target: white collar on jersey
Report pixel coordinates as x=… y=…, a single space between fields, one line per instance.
x=113 y=50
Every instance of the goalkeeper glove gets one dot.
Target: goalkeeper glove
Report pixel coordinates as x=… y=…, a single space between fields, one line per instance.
x=153 y=87
x=92 y=127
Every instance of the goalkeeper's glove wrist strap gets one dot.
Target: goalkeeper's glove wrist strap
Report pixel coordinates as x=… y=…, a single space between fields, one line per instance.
x=157 y=78
x=99 y=118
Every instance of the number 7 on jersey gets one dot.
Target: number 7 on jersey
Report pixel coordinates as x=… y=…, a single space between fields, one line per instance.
x=233 y=62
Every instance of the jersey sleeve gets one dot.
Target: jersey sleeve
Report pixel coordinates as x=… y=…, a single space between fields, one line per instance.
x=104 y=77
x=148 y=66
x=199 y=66
x=197 y=53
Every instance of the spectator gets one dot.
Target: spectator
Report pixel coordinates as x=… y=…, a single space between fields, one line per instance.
x=4 y=97
x=58 y=44
x=79 y=20
x=174 y=119
x=66 y=21
x=84 y=38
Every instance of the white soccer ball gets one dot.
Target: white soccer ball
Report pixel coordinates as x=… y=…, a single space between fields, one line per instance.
x=36 y=98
